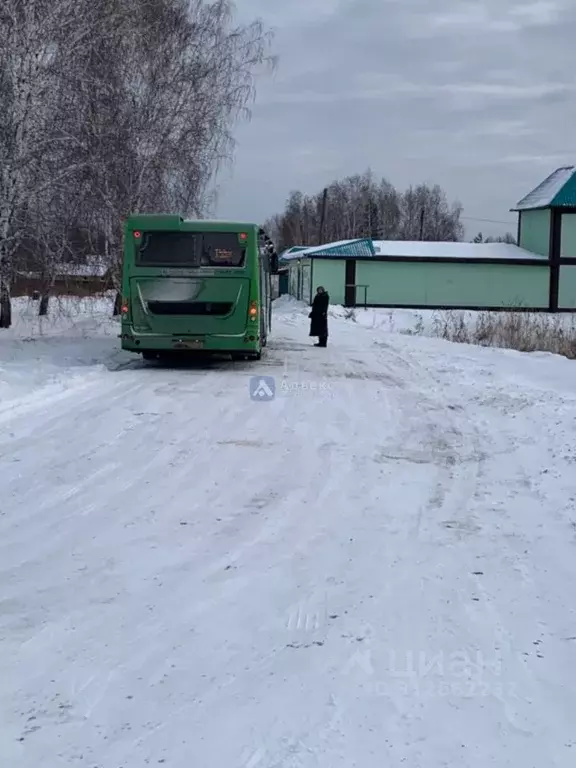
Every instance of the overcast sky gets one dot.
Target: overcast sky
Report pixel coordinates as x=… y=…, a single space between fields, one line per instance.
x=478 y=97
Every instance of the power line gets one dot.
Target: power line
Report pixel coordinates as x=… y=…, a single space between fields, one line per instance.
x=488 y=221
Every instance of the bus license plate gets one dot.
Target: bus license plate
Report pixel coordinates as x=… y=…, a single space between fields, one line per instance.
x=190 y=344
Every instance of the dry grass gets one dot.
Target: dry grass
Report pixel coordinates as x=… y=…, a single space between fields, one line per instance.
x=523 y=331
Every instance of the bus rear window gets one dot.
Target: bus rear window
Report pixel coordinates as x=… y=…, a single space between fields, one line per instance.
x=191 y=249
x=177 y=249
x=222 y=249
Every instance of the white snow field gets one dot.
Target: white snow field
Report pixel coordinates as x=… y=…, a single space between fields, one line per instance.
x=375 y=568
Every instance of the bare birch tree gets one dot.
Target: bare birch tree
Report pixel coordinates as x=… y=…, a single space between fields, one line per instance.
x=361 y=206
x=159 y=95
x=37 y=41
x=507 y=237
x=113 y=107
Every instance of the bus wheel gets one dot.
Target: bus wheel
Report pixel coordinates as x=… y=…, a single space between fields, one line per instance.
x=149 y=356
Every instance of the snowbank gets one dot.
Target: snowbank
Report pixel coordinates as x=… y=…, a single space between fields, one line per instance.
x=50 y=353
x=70 y=316
x=522 y=331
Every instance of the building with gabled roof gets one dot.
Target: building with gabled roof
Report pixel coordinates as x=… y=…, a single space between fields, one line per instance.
x=547 y=225
x=556 y=191
x=538 y=274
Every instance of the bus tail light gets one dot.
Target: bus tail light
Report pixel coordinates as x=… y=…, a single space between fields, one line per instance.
x=253 y=311
x=125 y=308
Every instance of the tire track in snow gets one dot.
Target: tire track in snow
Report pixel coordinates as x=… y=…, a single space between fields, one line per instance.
x=461 y=490
x=482 y=613
x=115 y=492
x=48 y=396
x=233 y=417
x=72 y=502
x=78 y=479
x=201 y=608
x=48 y=428
x=311 y=613
x=123 y=482
x=455 y=449
x=295 y=522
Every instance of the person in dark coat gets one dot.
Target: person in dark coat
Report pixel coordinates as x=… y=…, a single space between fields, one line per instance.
x=319 y=317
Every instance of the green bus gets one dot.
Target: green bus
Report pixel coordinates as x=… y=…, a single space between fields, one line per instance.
x=195 y=286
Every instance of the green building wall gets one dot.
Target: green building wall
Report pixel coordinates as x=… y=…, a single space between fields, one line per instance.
x=567 y=288
x=568 y=239
x=535 y=231
x=421 y=284
x=330 y=273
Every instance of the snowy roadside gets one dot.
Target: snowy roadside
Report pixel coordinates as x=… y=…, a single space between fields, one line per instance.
x=383 y=574
x=509 y=330
x=537 y=334
x=51 y=354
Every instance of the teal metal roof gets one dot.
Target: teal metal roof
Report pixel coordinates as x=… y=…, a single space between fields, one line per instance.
x=556 y=191
x=284 y=256
x=352 y=249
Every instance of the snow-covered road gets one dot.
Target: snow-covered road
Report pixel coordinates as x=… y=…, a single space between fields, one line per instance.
x=377 y=567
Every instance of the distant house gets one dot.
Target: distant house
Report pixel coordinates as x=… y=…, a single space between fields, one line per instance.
x=421 y=274
x=85 y=279
x=547 y=225
x=538 y=274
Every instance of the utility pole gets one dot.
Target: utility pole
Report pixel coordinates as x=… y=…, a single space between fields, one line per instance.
x=323 y=217
x=422 y=224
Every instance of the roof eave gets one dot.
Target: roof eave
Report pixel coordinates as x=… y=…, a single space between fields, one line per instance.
x=522 y=209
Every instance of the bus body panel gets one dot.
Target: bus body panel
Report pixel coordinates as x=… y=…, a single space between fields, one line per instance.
x=181 y=306
x=189 y=305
